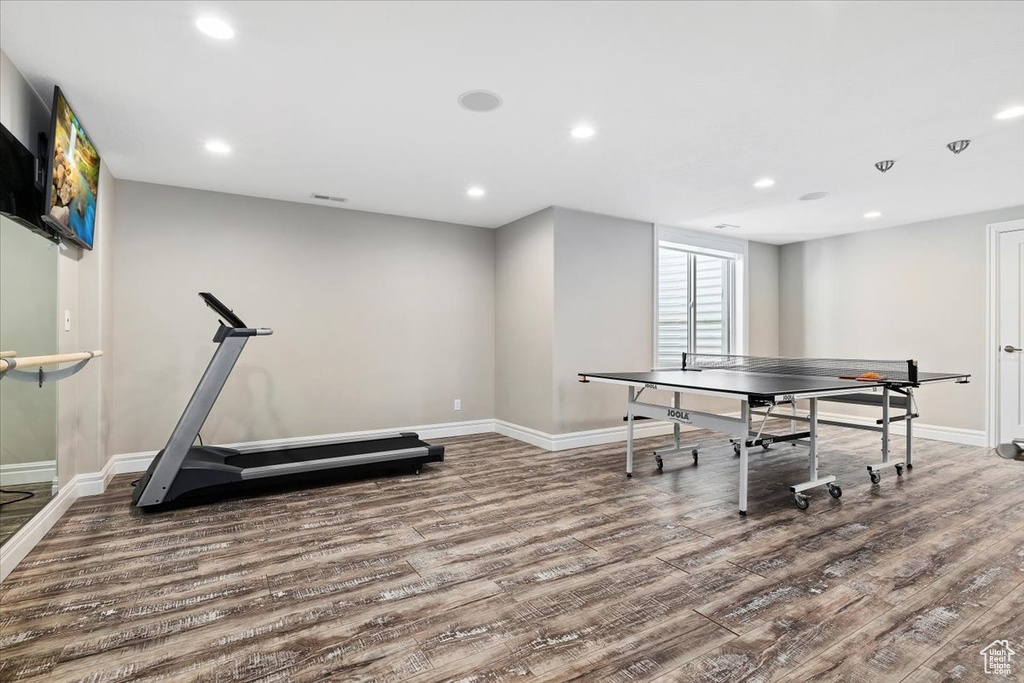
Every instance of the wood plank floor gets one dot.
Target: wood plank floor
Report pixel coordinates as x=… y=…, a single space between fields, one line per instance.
x=17 y=509
x=507 y=562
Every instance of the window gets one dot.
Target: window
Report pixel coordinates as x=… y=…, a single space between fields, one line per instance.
x=697 y=296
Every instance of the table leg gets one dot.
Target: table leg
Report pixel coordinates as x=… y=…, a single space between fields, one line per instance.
x=813 y=480
x=629 y=432
x=885 y=424
x=675 y=425
x=812 y=459
x=744 y=474
x=910 y=429
x=875 y=470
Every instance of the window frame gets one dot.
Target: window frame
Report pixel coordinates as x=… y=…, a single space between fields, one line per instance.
x=696 y=242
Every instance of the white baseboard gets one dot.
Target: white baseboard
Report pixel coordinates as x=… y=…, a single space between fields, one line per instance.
x=28 y=472
x=24 y=539
x=967 y=437
x=591 y=437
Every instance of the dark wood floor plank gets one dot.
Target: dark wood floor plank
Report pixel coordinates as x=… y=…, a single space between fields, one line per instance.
x=960 y=658
x=893 y=645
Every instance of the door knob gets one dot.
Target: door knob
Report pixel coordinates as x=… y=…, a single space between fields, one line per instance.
x=1010 y=349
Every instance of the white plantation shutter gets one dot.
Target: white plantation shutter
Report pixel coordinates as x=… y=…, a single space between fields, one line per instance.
x=673 y=306
x=696 y=301
x=712 y=314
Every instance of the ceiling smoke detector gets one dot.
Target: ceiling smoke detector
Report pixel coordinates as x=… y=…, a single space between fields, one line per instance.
x=812 y=196
x=480 y=100
x=958 y=146
x=723 y=226
x=328 y=198
x=884 y=166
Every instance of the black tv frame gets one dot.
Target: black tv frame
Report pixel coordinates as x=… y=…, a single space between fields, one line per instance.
x=31 y=218
x=67 y=233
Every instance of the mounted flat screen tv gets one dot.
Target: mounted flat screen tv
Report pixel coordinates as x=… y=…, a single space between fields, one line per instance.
x=20 y=198
x=74 y=176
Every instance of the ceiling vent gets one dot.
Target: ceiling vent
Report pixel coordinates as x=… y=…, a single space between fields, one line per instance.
x=723 y=226
x=812 y=196
x=480 y=100
x=328 y=198
x=958 y=146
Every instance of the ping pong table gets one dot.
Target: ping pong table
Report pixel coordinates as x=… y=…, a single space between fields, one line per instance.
x=763 y=383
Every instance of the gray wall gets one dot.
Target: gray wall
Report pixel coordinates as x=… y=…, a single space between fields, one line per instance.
x=22 y=111
x=763 y=271
x=603 y=313
x=913 y=291
x=524 y=306
x=379 y=321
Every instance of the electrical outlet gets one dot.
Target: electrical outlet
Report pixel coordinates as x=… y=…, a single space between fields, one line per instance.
x=458 y=404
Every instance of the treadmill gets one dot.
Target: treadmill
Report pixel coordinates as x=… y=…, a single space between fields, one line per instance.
x=181 y=471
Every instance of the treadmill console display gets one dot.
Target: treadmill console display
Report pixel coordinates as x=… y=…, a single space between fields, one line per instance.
x=227 y=316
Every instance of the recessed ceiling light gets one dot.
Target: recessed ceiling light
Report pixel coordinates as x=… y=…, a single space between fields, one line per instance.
x=215 y=28
x=764 y=182
x=476 y=191
x=218 y=147
x=873 y=214
x=1011 y=113
x=480 y=101
x=582 y=132
x=811 y=196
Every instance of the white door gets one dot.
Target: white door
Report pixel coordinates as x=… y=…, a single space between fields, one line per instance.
x=1010 y=335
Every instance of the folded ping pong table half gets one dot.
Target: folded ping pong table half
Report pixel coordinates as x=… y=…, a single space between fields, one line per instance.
x=760 y=384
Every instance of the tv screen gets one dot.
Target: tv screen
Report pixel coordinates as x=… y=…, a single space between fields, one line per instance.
x=20 y=199
x=74 y=176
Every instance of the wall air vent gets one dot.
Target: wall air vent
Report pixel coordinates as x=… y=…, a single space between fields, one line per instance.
x=328 y=198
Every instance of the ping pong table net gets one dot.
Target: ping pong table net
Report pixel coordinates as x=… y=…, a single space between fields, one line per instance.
x=888 y=370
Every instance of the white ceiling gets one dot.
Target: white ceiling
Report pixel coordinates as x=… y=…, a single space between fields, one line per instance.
x=692 y=103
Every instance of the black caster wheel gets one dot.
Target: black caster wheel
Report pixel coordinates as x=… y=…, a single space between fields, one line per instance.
x=899 y=470
x=765 y=446
x=629 y=475
x=876 y=477
x=909 y=466
x=659 y=462
x=736 y=449
x=835 y=491
x=743 y=513
x=802 y=501
x=696 y=456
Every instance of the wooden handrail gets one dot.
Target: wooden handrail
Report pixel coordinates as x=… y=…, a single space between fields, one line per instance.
x=8 y=354
x=36 y=361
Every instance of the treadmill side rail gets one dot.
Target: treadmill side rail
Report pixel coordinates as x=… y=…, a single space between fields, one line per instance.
x=331 y=463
